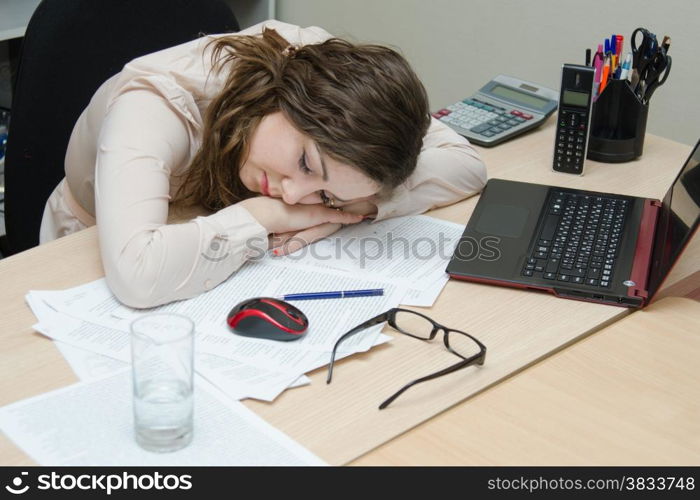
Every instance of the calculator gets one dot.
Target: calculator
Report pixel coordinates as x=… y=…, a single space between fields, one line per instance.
x=502 y=109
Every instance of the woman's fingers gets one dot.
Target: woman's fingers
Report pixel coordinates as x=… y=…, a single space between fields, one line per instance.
x=276 y=240
x=340 y=217
x=278 y=217
x=306 y=237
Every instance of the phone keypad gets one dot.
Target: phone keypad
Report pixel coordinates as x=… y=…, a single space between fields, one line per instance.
x=570 y=149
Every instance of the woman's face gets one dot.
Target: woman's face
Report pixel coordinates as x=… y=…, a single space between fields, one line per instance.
x=284 y=163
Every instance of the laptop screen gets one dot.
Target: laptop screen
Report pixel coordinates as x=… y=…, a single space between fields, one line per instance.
x=678 y=219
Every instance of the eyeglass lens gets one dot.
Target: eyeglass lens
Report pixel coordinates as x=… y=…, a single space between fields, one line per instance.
x=421 y=327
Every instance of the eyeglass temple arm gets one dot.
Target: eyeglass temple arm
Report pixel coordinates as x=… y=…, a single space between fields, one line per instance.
x=445 y=371
x=370 y=322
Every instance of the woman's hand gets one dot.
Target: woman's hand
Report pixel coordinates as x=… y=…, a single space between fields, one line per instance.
x=278 y=217
x=287 y=243
x=365 y=207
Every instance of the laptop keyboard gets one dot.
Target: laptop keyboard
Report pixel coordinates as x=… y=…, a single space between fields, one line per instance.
x=579 y=240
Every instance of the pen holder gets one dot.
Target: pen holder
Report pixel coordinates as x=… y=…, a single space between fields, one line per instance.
x=618 y=124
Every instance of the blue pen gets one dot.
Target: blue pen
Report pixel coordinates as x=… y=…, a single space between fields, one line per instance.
x=340 y=294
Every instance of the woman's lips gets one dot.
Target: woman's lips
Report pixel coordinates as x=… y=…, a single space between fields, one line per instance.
x=264 y=186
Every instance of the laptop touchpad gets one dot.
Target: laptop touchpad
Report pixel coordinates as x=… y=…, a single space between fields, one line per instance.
x=502 y=220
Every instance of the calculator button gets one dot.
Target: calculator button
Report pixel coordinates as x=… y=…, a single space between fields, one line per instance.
x=515 y=112
x=526 y=116
x=480 y=128
x=512 y=123
x=488 y=133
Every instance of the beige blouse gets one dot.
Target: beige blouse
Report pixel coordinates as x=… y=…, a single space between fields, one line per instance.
x=144 y=124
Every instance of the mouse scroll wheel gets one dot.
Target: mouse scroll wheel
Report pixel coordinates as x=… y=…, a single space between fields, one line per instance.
x=293 y=314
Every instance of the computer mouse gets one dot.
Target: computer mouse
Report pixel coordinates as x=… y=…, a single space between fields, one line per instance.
x=268 y=318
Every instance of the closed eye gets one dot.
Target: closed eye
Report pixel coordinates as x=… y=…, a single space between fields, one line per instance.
x=303 y=166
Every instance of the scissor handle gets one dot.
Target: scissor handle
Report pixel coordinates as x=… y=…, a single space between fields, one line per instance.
x=642 y=53
x=659 y=81
x=633 y=40
x=646 y=35
x=665 y=71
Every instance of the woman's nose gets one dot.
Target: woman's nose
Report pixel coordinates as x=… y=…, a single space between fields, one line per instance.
x=295 y=192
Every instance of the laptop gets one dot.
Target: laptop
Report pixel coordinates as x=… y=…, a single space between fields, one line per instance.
x=576 y=244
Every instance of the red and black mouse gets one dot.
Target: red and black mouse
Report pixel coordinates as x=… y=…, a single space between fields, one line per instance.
x=268 y=318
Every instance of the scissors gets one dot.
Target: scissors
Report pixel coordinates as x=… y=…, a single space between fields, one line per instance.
x=655 y=74
x=642 y=52
x=650 y=62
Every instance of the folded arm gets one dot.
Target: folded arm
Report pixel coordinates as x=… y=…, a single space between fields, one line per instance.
x=147 y=261
x=449 y=169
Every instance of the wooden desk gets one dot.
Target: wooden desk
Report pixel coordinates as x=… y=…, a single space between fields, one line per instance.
x=627 y=395
x=340 y=422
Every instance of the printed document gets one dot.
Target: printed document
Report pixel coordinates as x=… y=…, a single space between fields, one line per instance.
x=91 y=423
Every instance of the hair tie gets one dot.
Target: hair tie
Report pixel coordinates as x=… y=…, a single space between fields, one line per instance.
x=290 y=51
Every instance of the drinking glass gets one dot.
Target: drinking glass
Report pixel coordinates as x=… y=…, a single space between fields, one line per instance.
x=162 y=355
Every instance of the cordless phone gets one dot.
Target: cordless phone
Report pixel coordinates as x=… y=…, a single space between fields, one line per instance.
x=574 y=119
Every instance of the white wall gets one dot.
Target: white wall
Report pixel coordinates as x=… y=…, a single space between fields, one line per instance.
x=250 y=12
x=456 y=46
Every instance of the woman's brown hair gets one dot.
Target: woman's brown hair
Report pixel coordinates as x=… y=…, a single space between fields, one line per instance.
x=362 y=104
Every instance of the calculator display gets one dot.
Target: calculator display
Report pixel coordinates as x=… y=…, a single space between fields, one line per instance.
x=522 y=97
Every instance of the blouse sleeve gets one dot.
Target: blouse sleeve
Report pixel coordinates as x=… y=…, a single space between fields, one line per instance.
x=449 y=169
x=148 y=262
x=149 y=132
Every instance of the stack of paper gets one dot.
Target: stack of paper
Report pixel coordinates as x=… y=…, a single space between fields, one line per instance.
x=92 y=326
x=405 y=256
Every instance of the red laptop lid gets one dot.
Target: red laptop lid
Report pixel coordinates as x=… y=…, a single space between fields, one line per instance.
x=678 y=219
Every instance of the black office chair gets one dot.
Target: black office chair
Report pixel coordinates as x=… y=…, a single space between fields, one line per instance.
x=70 y=48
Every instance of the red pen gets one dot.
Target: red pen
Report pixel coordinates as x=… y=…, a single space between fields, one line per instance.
x=619 y=40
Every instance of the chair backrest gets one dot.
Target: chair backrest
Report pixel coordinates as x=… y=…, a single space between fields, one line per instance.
x=70 y=48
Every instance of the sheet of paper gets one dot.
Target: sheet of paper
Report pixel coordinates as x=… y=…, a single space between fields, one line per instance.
x=109 y=348
x=264 y=384
x=91 y=423
x=89 y=336
x=90 y=318
x=413 y=250
x=85 y=363
x=88 y=365
x=300 y=382
x=241 y=380
x=427 y=294
x=328 y=319
x=93 y=350
x=278 y=356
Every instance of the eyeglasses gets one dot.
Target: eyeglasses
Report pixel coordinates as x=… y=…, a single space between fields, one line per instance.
x=421 y=327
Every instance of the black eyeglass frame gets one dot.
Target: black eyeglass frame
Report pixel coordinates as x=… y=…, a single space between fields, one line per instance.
x=390 y=317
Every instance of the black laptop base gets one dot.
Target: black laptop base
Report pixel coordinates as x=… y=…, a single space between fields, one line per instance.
x=572 y=243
